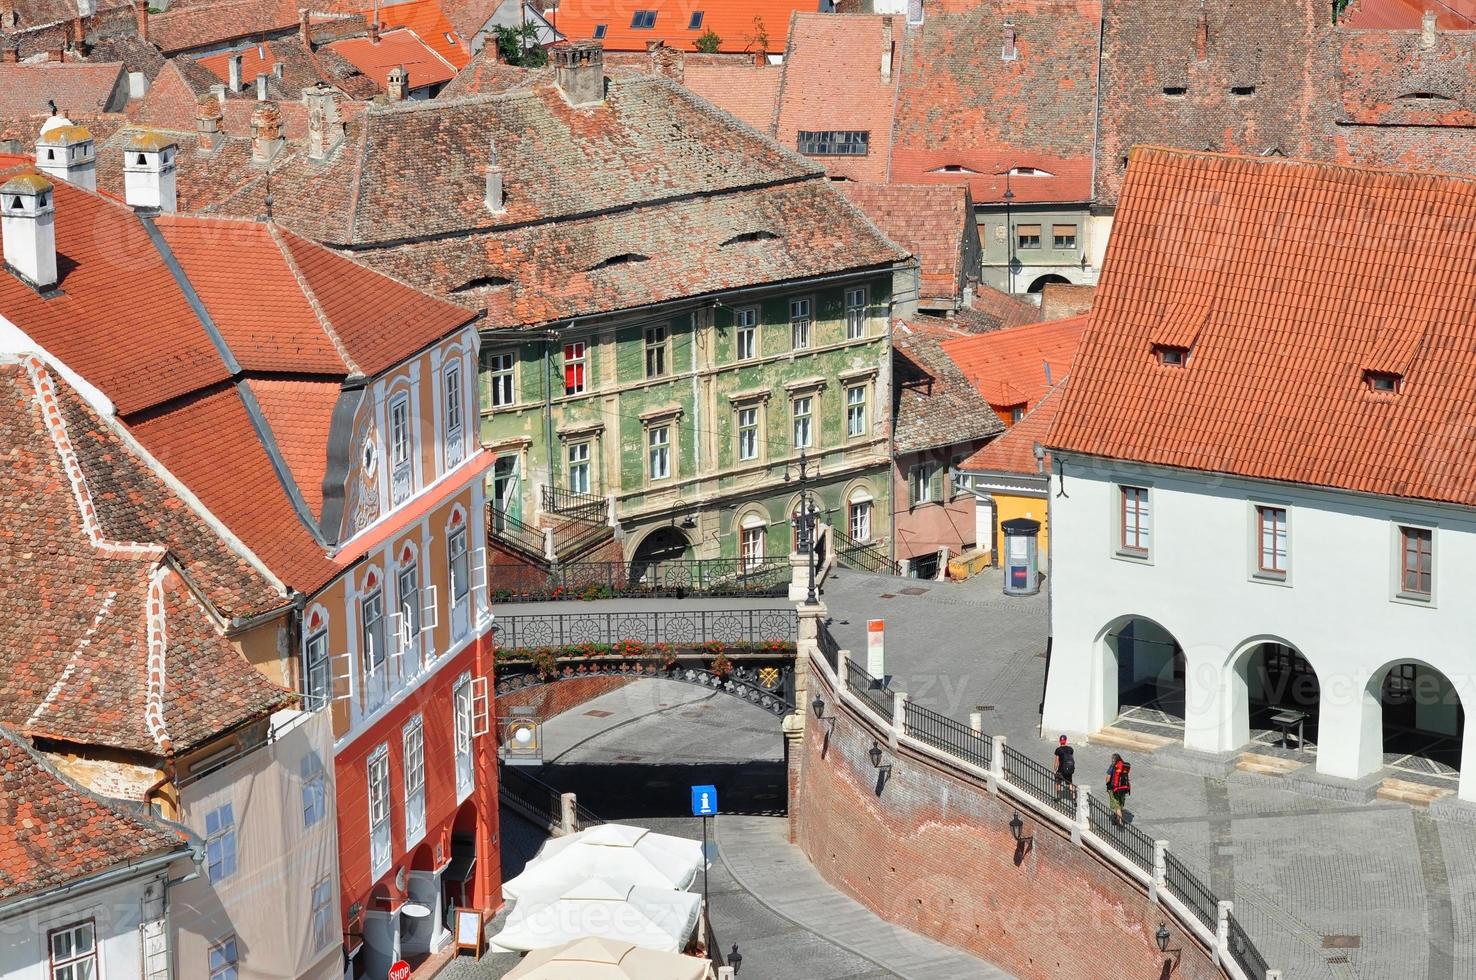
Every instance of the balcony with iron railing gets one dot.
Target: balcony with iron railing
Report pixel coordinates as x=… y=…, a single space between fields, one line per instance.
x=573 y=504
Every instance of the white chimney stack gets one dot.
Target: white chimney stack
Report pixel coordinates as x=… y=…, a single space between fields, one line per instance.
x=261 y=88
x=397 y=84
x=496 y=199
x=886 y=58
x=66 y=152
x=234 y=72
x=28 y=229
x=1427 y=30
x=149 y=172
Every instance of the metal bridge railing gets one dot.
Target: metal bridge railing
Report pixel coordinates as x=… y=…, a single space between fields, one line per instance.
x=871 y=690
x=682 y=628
x=942 y=732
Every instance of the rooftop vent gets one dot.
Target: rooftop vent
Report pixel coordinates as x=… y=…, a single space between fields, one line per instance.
x=1174 y=91
x=1009 y=50
x=482 y=282
x=761 y=235
x=624 y=258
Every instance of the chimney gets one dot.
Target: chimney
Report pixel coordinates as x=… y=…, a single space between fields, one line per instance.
x=496 y=200
x=398 y=84
x=580 y=70
x=66 y=152
x=1009 y=49
x=141 y=17
x=305 y=28
x=374 y=31
x=278 y=70
x=86 y=8
x=1427 y=30
x=148 y=172
x=8 y=17
x=57 y=54
x=266 y=132
x=9 y=56
x=261 y=88
x=219 y=92
x=886 y=61
x=233 y=73
x=325 y=126
x=207 y=125
x=28 y=229
x=1202 y=36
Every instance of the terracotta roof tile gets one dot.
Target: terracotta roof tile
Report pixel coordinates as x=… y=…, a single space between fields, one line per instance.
x=52 y=831
x=426 y=19
x=747 y=92
x=833 y=81
x=196 y=24
x=933 y=402
x=752 y=25
x=486 y=75
x=932 y=222
x=73 y=86
x=963 y=104
x=993 y=309
x=1274 y=384
x=1018 y=365
x=395 y=48
x=1014 y=452
x=299 y=413
x=1384 y=15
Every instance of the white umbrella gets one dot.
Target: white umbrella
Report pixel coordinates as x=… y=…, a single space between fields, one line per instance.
x=655 y=918
x=617 y=853
x=604 y=959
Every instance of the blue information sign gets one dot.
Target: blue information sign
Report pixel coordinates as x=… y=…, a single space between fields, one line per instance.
x=704 y=801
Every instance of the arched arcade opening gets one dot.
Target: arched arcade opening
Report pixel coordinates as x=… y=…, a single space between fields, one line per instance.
x=1143 y=677
x=1421 y=722
x=1278 y=698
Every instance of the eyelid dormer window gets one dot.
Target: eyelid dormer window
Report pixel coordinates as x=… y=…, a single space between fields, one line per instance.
x=1383 y=382
x=1171 y=355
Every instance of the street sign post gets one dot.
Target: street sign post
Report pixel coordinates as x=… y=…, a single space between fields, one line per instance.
x=704 y=805
x=400 y=971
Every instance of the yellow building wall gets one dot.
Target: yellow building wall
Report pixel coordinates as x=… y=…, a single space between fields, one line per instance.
x=1008 y=507
x=265 y=647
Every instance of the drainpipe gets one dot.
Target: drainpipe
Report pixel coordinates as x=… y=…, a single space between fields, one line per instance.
x=696 y=410
x=548 y=419
x=891 y=451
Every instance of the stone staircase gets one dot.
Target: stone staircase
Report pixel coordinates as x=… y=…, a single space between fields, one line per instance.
x=1128 y=740
x=1267 y=765
x=1415 y=794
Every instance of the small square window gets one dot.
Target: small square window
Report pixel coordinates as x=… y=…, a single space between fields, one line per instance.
x=599 y=31
x=696 y=20
x=1383 y=382
x=1063 y=237
x=1175 y=91
x=1027 y=236
x=1171 y=355
x=1243 y=90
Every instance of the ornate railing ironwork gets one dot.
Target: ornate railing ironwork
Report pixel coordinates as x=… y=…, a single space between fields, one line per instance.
x=1191 y=891
x=676 y=628
x=867 y=557
x=942 y=732
x=1244 y=952
x=872 y=690
x=766 y=686
x=609 y=579
x=572 y=503
x=1038 y=781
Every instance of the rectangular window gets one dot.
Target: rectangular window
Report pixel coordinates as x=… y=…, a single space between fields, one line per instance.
x=696 y=20
x=746 y=322
x=379 y=810
x=579 y=467
x=400 y=431
x=314 y=789
x=920 y=484
x=1027 y=236
x=461 y=706
x=1134 y=519
x=799 y=324
x=408 y=581
x=220 y=842
x=855 y=411
x=371 y=615
x=223 y=960
x=802 y=410
x=599 y=31
x=655 y=352
x=575 y=362
x=753 y=546
x=460 y=568
x=833 y=142
x=414 y=779
x=1063 y=236
x=748 y=433
x=658 y=442
x=453 y=401
x=855 y=314
x=1271 y=540
x=315 y=669
x=860 y=521
x=500 y=370
x=322 y=914
x=1417 y=564
x=643 y=20
x=73 y=951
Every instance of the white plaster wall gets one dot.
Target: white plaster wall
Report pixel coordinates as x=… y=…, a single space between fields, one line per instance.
x=116 y=912
x=1337 y=606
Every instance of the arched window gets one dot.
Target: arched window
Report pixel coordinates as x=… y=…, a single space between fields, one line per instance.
x=752 y=532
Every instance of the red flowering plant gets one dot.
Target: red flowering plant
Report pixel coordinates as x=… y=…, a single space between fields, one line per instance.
x=545 y=661
x=721 y=666
x=630 y=648
x=666 y=652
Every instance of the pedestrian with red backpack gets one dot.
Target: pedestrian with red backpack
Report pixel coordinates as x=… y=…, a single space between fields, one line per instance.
x=1119 y=785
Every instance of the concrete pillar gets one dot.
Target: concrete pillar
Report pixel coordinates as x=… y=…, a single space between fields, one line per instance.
x=1467 y=789
x=1222 y=932
x=976 y=722
x=1083 y=812
x=996 y=760
x=799 y=576
x=899 y=716
x=1160 y=869
x=807 y=645
x=1350 y=729
x=1204 y=700
x=568 y=814
x=726 y=973
x=794 y=751
x=1081 y=689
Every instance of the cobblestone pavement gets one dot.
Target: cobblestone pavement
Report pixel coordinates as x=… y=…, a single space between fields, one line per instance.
x=1327 y=889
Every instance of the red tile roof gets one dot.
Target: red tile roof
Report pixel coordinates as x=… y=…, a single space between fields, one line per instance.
x=749 y=92
x=425 y=18
x=750 y=25
x=1202 y=252
x=933 y=403
x=486 y=75
x=298 y=412
x=195 y=24
x=833 y=81
x=1392 y=78
x=1014 y=452
x=1018 y=365
x=397 y=48
x=256 y=59
x=1384 y=15
x=991 y=309
x=73 y=86
x=52 y=831
x=934 y=223
x=962 y=104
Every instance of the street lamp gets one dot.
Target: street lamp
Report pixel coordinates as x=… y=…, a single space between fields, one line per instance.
x=1017 y=827
x=819 y=706
x=735 y=959
x=1162 y=936
x=804 y=524
x=1009 y=195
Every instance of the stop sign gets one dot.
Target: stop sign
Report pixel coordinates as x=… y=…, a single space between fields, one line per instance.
x=400 y=971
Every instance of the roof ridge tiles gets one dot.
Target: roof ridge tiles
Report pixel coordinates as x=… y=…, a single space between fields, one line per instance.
x=312 y=297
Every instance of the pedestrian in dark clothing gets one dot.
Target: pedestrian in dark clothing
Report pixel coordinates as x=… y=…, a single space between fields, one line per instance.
x=1065 y=770
x=1119 y=785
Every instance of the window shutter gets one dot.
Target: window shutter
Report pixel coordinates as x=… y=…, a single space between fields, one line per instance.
x=935 y=481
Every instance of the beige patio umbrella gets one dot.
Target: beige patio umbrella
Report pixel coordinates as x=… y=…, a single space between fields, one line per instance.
x=606 y=959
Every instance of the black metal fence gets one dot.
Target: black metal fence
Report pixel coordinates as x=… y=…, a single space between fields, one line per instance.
x=611 y=579
x=867 y=557
x=1244 y=952
x=728 y=626
x=1192 y=892
x=1135 y=845
x=572 y=503
x=870 y=689
x=1039 y=782
x=534 y=798
x=504 y=527
x=942 y=732
x=829 y=648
